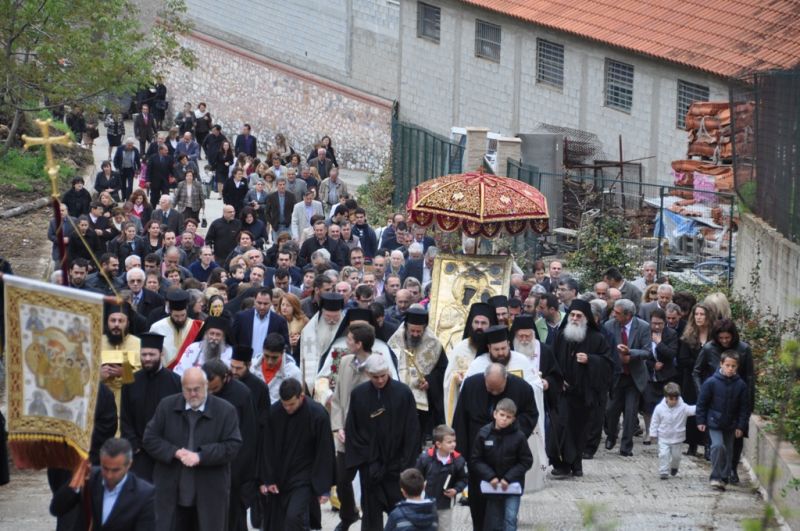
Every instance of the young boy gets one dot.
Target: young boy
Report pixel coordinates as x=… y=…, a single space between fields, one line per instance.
x=415 y=512
x=669 y=426
x=722 y=409
x=442 y=464
x=501 y=456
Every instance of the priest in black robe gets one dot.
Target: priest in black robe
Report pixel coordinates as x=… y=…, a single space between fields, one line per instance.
x=382 y=439
x=140 y=398
x=479 y=395
x=297 y=460
x=241 y=361
x=584 y=356
x=243 y=471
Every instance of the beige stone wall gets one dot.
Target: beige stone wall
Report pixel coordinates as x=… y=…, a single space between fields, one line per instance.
x=240 y=87
x=779 y=268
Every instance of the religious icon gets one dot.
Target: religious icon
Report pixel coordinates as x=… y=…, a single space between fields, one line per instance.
x=59 y=366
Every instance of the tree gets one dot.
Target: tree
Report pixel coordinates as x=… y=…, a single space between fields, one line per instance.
x=57 y=52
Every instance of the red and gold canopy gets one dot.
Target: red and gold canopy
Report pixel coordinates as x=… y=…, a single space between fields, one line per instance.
x=480 y=204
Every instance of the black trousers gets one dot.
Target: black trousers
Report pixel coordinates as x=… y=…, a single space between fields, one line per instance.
x=477 y=503
x=625 y=401
x=571 y=426
x=597 y=420
x=289 y=510
x=237 y=512
x=127 y=175
x=186 y=518
x=377 y=497
x=344 y=491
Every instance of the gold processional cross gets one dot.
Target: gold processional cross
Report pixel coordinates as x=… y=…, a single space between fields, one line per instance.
x=48 y=142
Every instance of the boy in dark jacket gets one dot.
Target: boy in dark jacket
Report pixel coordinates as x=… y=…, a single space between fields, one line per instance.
x=444 y=470
x=501 y=456
x=723 y=408
x=415 y=512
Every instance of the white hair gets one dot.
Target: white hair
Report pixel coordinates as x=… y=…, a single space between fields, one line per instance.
x=376 y=364
x=324 y=253
x=665 y=288
x=397 y=253
x=415 y=248
x=131 y=259
x=134 y=271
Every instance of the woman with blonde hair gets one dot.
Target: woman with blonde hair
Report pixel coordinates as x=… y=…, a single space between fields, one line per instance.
x=719 y=304
x=289 y=308
x=697 y=333
x=650 y=294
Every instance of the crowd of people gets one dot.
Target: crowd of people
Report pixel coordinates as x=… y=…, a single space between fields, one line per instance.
x=288 y=358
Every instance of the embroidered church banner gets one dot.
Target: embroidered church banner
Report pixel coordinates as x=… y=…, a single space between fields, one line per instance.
x=53 y=338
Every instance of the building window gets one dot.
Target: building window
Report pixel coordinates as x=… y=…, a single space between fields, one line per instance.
x=487 y=40
x=619 y=85
x=549 y=63
x=688 y=93
x=428 y=18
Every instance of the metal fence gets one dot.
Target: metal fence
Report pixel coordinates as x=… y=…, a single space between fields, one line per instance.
x=765 y=122
x=689 y=234
x=419 y=155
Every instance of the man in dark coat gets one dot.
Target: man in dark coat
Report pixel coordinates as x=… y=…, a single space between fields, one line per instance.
x=280 y=205
x=105 y=427
x=194 y=437
x=222 y=233
x=243 y=473
x=476 y=402
x=144 y=127
x=141 y=397
x=584 y=356
x=382 y=434
x=246 y=143
x=297 y=461
x=159 y=169
x=131 y=509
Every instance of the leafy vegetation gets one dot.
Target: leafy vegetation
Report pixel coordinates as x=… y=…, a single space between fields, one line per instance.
x=602 y=245
x=376 y=198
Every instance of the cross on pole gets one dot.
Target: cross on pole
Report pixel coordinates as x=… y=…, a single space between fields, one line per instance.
x=48 y=142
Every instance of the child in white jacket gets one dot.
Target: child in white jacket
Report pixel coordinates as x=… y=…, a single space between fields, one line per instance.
x=669 y=426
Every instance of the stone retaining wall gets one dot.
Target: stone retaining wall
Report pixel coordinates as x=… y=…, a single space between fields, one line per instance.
x=241 y=87
x=760 y=449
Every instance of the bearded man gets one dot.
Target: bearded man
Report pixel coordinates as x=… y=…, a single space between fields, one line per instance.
x=584 y=356
x=141 y=397
x=119 y=350
x=212 y=346
x=481 y=316
x=421 y=365
x=317 y=336
x=178 y=329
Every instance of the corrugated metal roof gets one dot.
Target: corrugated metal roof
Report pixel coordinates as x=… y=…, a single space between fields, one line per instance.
x=725 y=37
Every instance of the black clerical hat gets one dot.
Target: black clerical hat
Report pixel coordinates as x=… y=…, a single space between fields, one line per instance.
x=498 y=301
x=496 y=334
x=417 y=316
x=152 y=340
x=523 y=322
x=332 y=302
x=243 y=353
x=178 y=299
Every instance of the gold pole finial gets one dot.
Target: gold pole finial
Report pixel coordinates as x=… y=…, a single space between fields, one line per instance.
x=48 y=141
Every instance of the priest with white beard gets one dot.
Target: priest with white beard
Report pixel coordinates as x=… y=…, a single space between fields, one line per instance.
x=317 y=336
x=499 y=351
x=481 y=316
x=212 y=346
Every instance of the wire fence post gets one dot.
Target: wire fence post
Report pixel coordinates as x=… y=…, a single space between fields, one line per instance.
x=730 y=241
x=660 y=234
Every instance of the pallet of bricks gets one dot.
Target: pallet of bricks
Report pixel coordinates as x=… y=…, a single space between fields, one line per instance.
x=708 y=166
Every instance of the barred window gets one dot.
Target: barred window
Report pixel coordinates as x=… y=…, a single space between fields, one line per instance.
x=428 y=18
x=688 y=93
x=619 y=85
x=549 y=63
x=487 y=40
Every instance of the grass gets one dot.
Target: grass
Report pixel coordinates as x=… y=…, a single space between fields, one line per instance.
x=24 y=170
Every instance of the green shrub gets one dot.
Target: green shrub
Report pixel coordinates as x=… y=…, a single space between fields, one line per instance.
x=601 y=246
x=376 y=198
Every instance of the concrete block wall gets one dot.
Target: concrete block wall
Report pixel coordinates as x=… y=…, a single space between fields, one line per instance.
x=241 y=87
x=763 y=249
x=444 y=84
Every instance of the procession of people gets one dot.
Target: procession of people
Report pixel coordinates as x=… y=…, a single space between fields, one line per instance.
x=290 y=359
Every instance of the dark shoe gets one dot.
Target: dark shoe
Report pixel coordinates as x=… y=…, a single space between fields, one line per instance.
x=610 y=443
x=707 y=453
x=692 y=451
x=647 y=443
x=673 y=471
x=623 y=453
x=588 y=455
x=639 y=432
x=560 y=473
x=664 y=476
x=734 y=477
x=577 y=473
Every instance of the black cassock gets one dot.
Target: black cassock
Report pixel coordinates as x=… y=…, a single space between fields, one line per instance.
x=138 y=405
x=382 y=440
x=243 y=473
x=259 y=393
x=474 y=410
x=298 y=457
x=585 y=384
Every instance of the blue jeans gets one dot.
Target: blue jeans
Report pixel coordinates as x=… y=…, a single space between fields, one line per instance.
x=721 y=453
x=501 y=513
